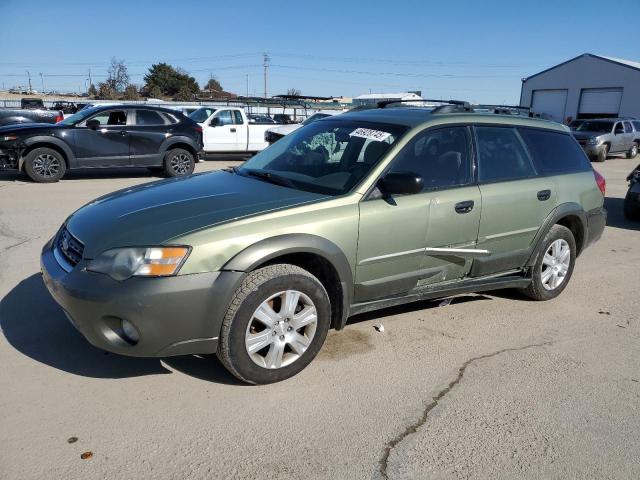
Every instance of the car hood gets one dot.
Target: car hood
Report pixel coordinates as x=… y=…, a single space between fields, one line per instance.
x=154 y=213
x=28 y=127
x=285 y=129
x=583 y=135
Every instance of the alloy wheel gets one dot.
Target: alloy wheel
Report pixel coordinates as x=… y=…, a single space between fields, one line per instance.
x=281 y=329
x=46 y=165
x=555 y=264
x=180 y=163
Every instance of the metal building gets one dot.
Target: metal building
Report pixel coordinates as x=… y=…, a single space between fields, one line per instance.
x=587 y=86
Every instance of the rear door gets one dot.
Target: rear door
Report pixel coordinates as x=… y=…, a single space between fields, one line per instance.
x=618 y=142
x=150 y=129
x=628 y=135
x=242 y=131
x=515 y=200
x=107 y=145
x=220 y=133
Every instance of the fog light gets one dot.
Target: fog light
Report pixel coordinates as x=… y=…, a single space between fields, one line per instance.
x=129 y=332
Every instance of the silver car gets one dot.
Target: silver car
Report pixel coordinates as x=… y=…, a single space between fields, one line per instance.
x=600 y=137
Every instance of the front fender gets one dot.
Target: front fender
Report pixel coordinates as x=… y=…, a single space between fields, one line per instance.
x=270 y=248
x=48 y=139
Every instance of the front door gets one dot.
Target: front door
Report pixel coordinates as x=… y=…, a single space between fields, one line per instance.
x=515 y=201
x=221 y=134
x=105 y=146
x=411 y=241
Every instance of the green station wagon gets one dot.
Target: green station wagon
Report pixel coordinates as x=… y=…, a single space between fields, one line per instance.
x=349 y=214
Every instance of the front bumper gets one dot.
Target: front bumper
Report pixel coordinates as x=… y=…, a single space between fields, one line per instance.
x=9 y=158
x=173 y=315
x=592 y=151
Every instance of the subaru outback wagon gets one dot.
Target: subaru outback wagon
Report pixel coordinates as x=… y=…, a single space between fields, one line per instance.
x=349 y=214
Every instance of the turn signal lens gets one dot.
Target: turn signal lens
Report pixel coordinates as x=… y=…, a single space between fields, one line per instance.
x=161 y=261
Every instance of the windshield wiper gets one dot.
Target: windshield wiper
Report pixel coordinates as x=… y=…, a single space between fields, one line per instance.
x=269 y=177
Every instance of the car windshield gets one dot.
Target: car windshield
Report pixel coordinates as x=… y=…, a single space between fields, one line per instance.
x=600 y=127
x=201 y=114
x=79 y=116
x=329 y=157
x=314 y=117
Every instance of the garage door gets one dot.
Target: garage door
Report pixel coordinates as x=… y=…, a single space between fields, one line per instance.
x=549 y=104
x=605 y=101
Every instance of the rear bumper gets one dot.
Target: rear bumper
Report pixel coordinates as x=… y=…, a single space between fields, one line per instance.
x=173 y=315
x=596 y=221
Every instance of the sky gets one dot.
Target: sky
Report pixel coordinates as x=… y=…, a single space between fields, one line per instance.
x=473 y=50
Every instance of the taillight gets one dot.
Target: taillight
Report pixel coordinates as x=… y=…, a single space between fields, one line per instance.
x=602 y=183
x=198 y=128
x=59 y=117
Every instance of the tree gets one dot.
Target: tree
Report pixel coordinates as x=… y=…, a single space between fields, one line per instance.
x=214 y=87
x=118 y=76
x=294 y=92
x=154 y=92
x=92 y=92
x=185 y=94
x=131 y=92
x=169 y=81
x=106 y=91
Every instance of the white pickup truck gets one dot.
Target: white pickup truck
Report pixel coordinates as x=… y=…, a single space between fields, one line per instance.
x=227 y=129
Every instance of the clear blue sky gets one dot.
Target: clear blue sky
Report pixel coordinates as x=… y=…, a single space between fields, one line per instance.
x=475 y=50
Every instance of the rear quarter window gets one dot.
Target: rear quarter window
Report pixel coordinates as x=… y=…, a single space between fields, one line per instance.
x=554 y=152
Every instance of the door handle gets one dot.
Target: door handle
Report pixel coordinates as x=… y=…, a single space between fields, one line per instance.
x=233 y=130
x=464 y=207
x=124 y=133
x=544 y=195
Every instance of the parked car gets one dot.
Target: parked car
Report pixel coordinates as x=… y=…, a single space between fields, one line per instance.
x=227 y=129
x=11 y=116
x=632 y=199
x=186 y=110
x=261 y=119
x=273 y=254
x=575 y=124
x=32 y=103
x=67 y=108
x=276 y=133
x=283 y=118
x=103 y=137
x=603 y=136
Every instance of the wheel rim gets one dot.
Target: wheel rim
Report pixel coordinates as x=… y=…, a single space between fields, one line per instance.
x=281 y=329
x=634 y=150
x=555 y=264
x=46 y=165
x=180 y=163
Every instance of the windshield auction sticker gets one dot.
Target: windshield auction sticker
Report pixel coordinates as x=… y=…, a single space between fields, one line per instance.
x=377 y=135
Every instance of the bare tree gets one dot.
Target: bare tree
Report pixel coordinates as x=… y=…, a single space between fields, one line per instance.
x=294 y=92
x=118 y=76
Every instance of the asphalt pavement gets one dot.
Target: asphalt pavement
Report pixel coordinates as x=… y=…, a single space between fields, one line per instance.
x=488 y=386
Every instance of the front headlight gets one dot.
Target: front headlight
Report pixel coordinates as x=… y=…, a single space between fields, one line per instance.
x=592 y=141
x=123 y=263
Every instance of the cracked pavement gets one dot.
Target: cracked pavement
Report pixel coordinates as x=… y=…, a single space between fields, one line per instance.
x=490 y=386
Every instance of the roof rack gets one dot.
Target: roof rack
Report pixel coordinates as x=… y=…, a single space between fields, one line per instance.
x=448 y=106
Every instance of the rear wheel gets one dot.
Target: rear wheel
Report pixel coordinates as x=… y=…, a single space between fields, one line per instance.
x=602 y=154
x=178 y=163
x=633 y=151
x=275 y=325
x=44 y=165
x=554 y=266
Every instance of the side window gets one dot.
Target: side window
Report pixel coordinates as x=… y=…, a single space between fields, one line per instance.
x=440 y=156
x=627 y=127
x=237 y=117
x=637 y=126
x=554 y=152
x=170 y=117
x=618 y=128
x=225 y=117
x=501 y=155
x=148 y=117
x=111 y=117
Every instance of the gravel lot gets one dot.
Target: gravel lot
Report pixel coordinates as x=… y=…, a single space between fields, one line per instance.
x=490 y=386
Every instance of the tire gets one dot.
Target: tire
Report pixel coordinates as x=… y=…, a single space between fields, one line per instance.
x=178 y=162
x=633 y=151
x=261 y=300
x=631 y=207
x=45 y=165
x=602 y=154
x=543 y=286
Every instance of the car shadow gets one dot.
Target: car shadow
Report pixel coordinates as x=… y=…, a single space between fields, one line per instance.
x=615 y=214
x=87 y=174
x=36 y=326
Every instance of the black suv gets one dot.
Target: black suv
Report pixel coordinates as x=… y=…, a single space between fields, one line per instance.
x=102 y=137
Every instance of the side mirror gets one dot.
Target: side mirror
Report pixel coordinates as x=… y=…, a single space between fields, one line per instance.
x=401 y=183
x=215 y=122
x=93 y=124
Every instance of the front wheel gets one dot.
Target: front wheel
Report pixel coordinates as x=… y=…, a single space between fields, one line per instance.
x=602 y=154
x=178 y=163
x=554 y=265
x=276 y=324
x=44 y=165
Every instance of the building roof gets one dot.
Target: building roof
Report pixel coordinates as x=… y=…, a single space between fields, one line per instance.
x=619 y=61
x=384 y=96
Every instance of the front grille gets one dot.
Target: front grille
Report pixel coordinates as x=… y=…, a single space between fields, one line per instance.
x=70 y=247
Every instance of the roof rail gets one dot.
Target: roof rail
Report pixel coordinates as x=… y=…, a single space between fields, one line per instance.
x=384 y=103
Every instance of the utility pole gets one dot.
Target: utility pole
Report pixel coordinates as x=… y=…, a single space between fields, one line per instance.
x=42 y=80
x=266 y=68
x=29 y=75
x=247 y=75
x=90 y=79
